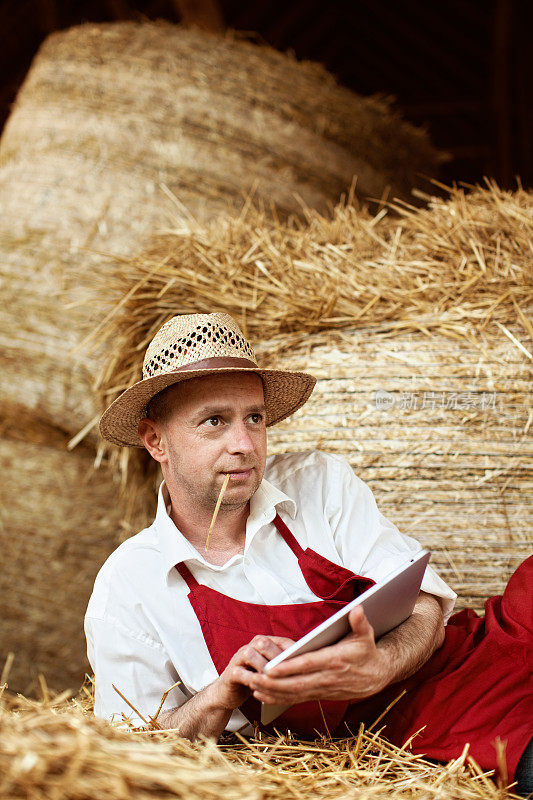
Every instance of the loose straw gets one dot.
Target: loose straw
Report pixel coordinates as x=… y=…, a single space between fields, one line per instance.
x=215 y=512
x=99 y=758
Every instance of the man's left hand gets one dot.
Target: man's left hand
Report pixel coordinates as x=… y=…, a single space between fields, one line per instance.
x=352 y=669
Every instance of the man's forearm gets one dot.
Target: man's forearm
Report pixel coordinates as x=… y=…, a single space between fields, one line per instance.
x=199 y=716
x=408 y=647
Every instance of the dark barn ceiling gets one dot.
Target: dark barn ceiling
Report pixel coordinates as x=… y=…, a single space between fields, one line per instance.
x=461 y=68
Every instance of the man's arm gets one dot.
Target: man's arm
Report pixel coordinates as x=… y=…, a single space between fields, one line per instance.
x=407 y=648
x=356 y=667
x=208 y=712
x=202 y=715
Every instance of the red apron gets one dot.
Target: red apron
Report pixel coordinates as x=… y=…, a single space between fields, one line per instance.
x=476 y=687
x=228 y=624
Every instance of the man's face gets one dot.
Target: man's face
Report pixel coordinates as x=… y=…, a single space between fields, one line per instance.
x=217 y=425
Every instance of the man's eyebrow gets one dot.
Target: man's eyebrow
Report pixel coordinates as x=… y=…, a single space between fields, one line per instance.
x=212 y=410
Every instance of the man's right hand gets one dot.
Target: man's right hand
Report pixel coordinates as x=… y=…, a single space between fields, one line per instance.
x=229 y=690
x=207 y=712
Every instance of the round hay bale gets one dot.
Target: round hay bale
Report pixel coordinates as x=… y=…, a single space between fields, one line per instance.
x=440 y=432
x=121 y=129
x=58 y=523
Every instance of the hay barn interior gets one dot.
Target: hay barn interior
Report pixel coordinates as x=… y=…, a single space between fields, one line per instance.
x=352 y=183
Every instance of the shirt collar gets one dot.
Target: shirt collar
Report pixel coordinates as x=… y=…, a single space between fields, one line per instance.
x=175 y=547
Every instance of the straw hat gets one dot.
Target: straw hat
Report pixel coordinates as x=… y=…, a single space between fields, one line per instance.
x=191 y=346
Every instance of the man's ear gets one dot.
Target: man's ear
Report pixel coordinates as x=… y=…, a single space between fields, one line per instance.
x=150 y=433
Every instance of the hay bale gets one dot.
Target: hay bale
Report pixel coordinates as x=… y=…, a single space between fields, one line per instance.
x=58 y=523
x=432 y=307
x=120 y=129
x=457 y=265
x=55 y=748
x=440 y=433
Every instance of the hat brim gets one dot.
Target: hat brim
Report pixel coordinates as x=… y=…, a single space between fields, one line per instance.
x=285 y=392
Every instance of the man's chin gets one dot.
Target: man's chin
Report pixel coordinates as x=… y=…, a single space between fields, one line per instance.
x=240 y=491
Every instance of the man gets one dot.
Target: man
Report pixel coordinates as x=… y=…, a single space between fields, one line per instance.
x=287 y=550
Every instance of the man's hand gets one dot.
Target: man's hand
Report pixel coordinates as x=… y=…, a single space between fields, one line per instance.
x=232 y=687
x=352 y=669
x=356 y=667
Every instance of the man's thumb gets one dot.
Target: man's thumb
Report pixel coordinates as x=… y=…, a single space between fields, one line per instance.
x=359 y=624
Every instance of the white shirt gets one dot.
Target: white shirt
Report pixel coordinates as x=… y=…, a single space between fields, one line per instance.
x=142 y=632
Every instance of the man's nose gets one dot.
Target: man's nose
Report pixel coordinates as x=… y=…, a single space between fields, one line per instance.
x=240 y=440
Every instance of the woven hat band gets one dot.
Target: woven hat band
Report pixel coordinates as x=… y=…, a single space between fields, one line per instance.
x=218 y=362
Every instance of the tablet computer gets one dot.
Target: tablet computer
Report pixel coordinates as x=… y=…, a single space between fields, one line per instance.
x=386 y=604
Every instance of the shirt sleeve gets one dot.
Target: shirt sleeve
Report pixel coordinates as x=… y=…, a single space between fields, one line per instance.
x=137 y=665
x=368 y=542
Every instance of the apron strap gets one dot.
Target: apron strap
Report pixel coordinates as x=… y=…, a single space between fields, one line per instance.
x=289 y=538
x=187 y=575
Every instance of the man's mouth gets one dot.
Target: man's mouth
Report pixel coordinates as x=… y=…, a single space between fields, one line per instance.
x=239 y=474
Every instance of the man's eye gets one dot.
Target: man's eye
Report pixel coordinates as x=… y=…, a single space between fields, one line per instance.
x=212 y=422
x=256 y=418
